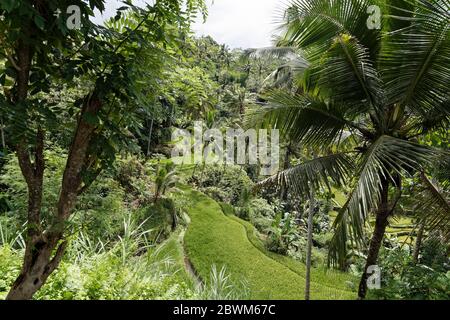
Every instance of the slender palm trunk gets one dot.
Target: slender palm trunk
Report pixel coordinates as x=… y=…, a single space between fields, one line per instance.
x=377 y=237
x=2 y=128
x=418 y=244
x=284 y=189
x=149 y=138
x=157 y=195
x=312 y=205
x=195 y=169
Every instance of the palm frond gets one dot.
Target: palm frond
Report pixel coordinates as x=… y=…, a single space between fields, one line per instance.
x=415 y=60
x=433 y=120
x=273 y=52
x=307 y=23
x=345 y=72
x=302 y=118
x=386 y=156
x=335 y=168
x=435 y=207
x=287 y=71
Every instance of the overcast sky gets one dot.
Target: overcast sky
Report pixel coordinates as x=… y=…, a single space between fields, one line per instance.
x=237 y=23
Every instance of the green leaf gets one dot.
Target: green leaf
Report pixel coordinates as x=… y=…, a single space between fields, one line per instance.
x=39 y=21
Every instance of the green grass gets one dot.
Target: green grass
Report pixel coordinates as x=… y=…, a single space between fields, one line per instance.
x=326 y=278
x=215 y=239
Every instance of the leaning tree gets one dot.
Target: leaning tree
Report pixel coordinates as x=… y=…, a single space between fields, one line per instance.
x=52 y=43
x=365 y=100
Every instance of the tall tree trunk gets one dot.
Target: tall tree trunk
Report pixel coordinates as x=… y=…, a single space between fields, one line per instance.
x=44 y=250
x=36 y=251
x=38 y=264
x=2 y=128
x=149 y=138
x=195 y=169
x=381 y=223
x=418 y=244
x=286 y=165
x=312 y=207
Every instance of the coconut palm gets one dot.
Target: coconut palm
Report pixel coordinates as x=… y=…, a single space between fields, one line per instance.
x=236 y=99
x=365 y=100
x=165 y=181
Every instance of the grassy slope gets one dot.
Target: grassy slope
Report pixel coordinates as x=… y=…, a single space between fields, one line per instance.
x=213 y=238
x=328 y=279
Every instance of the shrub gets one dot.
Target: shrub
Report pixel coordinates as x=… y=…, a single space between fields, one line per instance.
x=16 y=191
x=10 y=263
x=282 y=234
x=435 y=254
x=91 y=270
x=231 y=180
x=402 y=279
x=216 y=193
x=135 y=178
x=158 y=218
x=261 y=214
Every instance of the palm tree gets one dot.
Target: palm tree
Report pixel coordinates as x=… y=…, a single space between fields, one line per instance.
x=364 y=101
x=236 y=99
x=166 y=180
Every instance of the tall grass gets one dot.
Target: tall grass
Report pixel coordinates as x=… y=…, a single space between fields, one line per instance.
x=11 y=236
x=220 y=286
x=131 y=267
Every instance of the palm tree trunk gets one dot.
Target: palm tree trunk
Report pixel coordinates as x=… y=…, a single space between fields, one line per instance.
x=418 y=244
x=284 y=189
x=194 y=171
x=309 y=244
x=203 y=171
x=157 y=194
x=2 y=128
x=149 y=138
x=377 y=237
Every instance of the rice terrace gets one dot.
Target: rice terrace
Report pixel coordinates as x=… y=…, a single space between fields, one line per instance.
x=189 y=151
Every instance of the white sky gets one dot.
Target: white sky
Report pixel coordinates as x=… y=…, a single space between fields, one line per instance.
x=240 y=23
x=237 y=23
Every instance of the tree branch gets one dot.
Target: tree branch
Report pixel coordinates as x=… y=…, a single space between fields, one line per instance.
x=53 y=264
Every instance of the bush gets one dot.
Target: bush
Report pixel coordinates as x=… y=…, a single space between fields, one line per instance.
x=228 y=183
x=10 y=263
x=15 y=188
x=105 y=277
x=282 y=234
x=158 y=218
x=402 y=279
x=435 y=254
x=135 y=179
x=217 y=194
x=90 y=270
x=99 y=211
x=261 y=214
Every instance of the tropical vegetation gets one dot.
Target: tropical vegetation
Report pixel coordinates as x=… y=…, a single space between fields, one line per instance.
x=93 y=205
